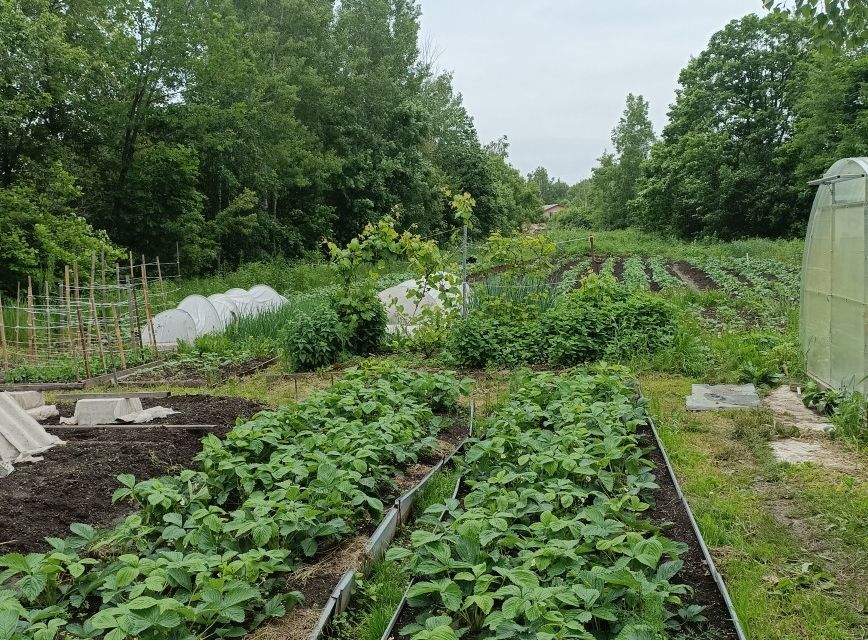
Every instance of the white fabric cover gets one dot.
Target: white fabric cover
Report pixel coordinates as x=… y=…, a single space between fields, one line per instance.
x=203 y=313
x=147 y=415
x=401 y=307
x=21 y=437
x=267 y=298
x=226 y=309
x=170 y=327
x=246 y=304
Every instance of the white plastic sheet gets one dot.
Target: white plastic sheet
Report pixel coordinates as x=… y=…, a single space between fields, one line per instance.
x=246 y=304
x=170 y=327
x=226 y=309
x=267 y=298
x=203 y=313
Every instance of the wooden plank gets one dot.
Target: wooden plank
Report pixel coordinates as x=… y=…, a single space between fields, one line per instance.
x=120 y=394
x=149 y=384
x=110 y=378
x=48 y=386
x=120 y=426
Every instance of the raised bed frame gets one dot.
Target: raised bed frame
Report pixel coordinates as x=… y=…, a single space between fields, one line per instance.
x=709 y=560
x=380 y=540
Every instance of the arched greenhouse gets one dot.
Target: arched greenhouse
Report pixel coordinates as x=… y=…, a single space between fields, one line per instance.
x=834 y=310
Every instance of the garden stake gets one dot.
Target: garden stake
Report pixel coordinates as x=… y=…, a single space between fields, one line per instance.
x=95 y=317
x=148 y=307
x=160 y=279
x=48 y=314
x=80 y=323
x=295 y=380
x=31 y=320
x=70 y=333
x=3 y=336
x=17 y=312
x=134 y=315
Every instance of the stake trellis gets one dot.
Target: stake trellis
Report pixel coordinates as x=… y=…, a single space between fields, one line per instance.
x=87 y=321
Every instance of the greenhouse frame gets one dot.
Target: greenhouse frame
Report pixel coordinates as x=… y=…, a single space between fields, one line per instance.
x=834 y=305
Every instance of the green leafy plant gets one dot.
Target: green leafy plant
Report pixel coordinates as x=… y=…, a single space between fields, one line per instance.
x=313 y=341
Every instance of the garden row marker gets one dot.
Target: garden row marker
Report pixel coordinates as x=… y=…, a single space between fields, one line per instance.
x=591 y=240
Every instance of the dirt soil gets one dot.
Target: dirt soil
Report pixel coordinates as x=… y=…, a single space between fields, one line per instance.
x=75 y=481
x=652 y=283
x=691 y=276
x=190 y=373
x=668 y=509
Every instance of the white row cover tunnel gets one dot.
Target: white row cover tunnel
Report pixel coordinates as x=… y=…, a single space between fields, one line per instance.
x=197 y=315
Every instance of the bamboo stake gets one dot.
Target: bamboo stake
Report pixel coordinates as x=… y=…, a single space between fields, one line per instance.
x=17 y=314
x=80 y=323
x=134 y=316
x=69 y=331
x=160 y=279
x=95 y=319
x=31 y=320
x=115 y=311
x=93 y=312
x=148 y=307
x=48 y=313
x=3 y=336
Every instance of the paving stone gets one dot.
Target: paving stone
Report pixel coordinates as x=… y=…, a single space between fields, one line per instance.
x=706 y=397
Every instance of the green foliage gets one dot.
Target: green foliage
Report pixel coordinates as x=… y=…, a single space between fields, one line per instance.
x=604 y=320
x=550 y=535
x=600 y=320
x=207 y=553
x=176 y=128
x=720 y=170
x=314 y=340
x=848 y=410
x=365 y=319
x=835 y=23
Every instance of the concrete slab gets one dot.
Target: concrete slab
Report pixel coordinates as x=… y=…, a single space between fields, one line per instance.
x=103 y=410
x=28 y=399
x=706 y=397
x=788 y=408
x=21 y=437
x=819 y=452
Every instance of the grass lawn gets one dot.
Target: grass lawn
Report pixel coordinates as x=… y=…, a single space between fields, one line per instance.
x=790 y=540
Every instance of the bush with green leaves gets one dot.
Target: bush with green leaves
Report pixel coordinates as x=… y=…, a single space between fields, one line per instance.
x=364 y=317
x=549 y=540
x=314 y=340
x=207 y=553
x=601 y=320
x=605 y=320
x=498 y=332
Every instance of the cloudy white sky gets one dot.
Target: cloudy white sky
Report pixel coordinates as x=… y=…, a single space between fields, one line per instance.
x=553 y=74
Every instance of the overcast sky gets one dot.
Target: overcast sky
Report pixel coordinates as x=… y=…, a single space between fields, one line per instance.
x=553 y=74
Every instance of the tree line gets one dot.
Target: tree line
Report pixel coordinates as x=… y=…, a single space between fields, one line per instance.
x=237 y=129
x=766 y=107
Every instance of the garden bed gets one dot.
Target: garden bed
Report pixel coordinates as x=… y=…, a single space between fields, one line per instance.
x=673 y=560
x=669 y=513
x=75 y=481
x=197 y=372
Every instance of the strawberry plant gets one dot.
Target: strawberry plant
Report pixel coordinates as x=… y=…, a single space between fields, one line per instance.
x=205 y=553
x=549 y=541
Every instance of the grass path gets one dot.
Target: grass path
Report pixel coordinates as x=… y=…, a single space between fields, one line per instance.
x=791 y=540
